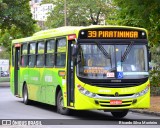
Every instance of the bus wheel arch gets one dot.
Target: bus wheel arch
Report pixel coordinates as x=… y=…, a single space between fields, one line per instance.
x=60 y=102
x=25 y=94
x=56 y=94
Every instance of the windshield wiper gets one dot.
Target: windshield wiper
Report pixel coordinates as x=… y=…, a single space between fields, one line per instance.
x=103 y=50
x=128 y=49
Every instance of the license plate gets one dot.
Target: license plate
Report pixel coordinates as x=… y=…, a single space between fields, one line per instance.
x=115 y=102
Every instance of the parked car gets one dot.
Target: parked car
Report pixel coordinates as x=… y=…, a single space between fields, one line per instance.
x=4 y=73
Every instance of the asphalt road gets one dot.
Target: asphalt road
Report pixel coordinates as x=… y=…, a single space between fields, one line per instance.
x=13 y=109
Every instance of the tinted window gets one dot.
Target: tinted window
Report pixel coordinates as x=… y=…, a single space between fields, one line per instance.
x=50 y=53
x=40 y=54
x=61 y=52
x=24 y=56
x=32 y=51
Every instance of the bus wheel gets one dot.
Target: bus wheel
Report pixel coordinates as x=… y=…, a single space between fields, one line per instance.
x=120 y=114
x=60 y=104
x=25 y=95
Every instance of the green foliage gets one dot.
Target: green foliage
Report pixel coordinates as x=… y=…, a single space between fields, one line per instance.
x=78 y=12
x=13 y=33
x=17 y=13
x=15 y=22
x=154 y=77
x=4 y=54
x=142 y=13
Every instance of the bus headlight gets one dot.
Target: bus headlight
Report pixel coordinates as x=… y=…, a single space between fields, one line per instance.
x=142 y=92
x=86 y=92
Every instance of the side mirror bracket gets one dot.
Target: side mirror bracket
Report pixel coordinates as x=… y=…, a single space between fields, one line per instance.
x=74 y=50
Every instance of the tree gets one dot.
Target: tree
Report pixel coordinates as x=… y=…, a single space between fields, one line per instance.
x=143 y=13
x=79 y=12
x=17 y=13
x=140 y=13
x=15 y=21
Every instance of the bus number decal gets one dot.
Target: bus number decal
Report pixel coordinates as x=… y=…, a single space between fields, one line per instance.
x=92 y=34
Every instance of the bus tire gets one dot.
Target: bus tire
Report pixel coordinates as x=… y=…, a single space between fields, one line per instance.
x=120 y=114
x=60 y=108
x=25 y=95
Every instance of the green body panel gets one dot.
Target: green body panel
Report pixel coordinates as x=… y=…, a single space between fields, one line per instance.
x=41 y=83
x=12 y=79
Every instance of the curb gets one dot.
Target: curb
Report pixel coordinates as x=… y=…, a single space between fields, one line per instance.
x=146 y=112
x=4 y=84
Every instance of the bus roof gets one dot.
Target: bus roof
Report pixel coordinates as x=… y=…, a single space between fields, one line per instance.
x=66 y=30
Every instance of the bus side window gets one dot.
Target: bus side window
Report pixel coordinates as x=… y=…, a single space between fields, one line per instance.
x=31 y=60
x=32 y=51
x=61 y=52
x=50 y=53
x=24 y=56
x=40 y=54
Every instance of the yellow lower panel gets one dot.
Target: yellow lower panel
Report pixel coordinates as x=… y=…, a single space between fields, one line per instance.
x=83 y=102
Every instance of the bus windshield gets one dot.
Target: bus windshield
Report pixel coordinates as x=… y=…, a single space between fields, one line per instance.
x=106 y=61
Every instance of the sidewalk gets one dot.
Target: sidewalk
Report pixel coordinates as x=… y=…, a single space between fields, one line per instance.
x=4 y=79
x=154 y=108
x=4 y=84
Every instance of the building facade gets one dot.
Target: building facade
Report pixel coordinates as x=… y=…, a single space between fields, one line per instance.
x=40 y=11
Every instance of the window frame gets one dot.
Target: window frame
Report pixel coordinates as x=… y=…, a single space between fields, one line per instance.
x=57 y=52
x=22 y=55
x=31 y=54
x=52 y=53
x=40 y=54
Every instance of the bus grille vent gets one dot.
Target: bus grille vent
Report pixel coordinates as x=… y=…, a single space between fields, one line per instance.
x=120 y=95
x=107 y=104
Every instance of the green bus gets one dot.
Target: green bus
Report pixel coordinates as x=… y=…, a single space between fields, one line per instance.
x=83 y=68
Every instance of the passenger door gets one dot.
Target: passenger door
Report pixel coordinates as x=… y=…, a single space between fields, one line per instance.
x=16 y=68
x=70 y=77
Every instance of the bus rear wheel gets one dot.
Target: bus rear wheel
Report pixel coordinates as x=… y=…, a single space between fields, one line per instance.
x=25 y=95
x=60 y=105
x=120 y=114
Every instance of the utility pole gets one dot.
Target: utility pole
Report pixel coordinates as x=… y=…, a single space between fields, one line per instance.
x=65 y=13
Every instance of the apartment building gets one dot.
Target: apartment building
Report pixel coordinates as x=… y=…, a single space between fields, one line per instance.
x=40 y=11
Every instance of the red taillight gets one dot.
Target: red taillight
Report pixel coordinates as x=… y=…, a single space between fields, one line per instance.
x=72 y=37
x=17 y=45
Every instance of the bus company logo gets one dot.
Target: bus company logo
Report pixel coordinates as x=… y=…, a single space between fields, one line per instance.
x=6 y=122
x=116 y=94
x=104 y=91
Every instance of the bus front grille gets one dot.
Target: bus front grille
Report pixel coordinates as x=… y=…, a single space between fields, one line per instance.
x=112 y=95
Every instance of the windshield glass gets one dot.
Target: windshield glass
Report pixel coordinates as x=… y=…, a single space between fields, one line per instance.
x=97 y=61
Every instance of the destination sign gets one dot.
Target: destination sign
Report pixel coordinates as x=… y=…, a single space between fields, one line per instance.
x=112 y=34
